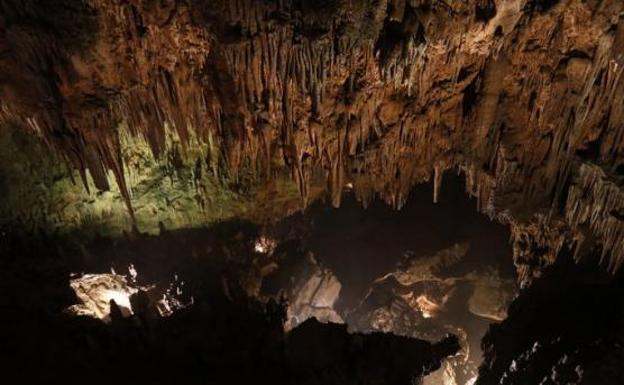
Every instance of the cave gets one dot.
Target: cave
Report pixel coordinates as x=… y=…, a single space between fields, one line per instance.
x=312 y=192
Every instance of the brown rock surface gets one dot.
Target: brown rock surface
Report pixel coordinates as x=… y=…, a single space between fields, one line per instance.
x=525 y=96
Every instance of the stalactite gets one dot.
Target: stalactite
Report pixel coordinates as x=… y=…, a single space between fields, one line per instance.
x=437 y=182
x=597 y=201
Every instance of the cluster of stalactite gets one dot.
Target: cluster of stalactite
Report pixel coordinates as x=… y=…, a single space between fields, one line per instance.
x=380 y=95
x=595 y=205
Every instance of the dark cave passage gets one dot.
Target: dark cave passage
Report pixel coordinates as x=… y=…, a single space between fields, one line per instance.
x=358 y=244
x=421 y=274
x=362 y=246
x=425 y=272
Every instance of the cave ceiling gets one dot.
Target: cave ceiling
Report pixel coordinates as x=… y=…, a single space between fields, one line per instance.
x=172 y=113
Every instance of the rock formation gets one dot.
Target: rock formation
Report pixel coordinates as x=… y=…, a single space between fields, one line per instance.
x=130 y=116
x=523 y=96
x=565 y=329
x=420 y=300
x=223 y=336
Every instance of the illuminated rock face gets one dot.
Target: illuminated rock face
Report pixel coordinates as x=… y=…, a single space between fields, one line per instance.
x=524 y=96
x=96 y=291
x=421 y=301
x=491 y=297
x=373 y=276
x=309 y=289
x=314 y=299
x=223 y=336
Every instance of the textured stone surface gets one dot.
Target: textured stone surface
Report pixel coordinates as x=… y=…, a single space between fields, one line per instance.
x=524 y=96
x=419 y=299
x=223 y=336
x=565 y=329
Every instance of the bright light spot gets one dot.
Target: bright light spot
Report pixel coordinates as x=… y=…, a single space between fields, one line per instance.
x=425 y=305
x=265 y=245
x=121 y=298
x=95 y=291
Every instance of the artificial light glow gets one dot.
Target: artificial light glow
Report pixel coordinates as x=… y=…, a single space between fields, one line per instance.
x=265 y=245
x=170 y=301
x=427 y=307
x=121 y=298
x=95 y=291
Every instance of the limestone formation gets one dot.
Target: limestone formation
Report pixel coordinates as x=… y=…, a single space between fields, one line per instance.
x=525 y=97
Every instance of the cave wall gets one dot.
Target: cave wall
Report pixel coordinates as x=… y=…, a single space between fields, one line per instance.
x=524 y=96
x=42 y=193
x=567 y=328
